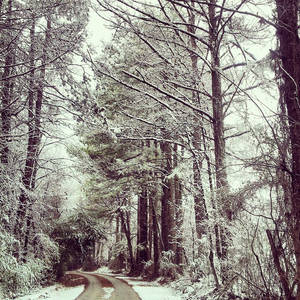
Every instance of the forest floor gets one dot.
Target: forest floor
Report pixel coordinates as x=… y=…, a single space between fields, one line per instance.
x=140 y=289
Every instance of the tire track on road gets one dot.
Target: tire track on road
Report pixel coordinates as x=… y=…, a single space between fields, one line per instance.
x=96 y=283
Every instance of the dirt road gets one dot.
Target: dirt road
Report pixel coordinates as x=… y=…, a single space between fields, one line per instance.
x=94 y=290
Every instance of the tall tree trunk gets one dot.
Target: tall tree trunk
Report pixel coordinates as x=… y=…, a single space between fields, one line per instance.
x=35 y=102
x=287 y=32
x=153 y=207
x=216 y=227
x=179 y=254
x=7 y=90
x=199 y=200
x=282 y=274
x=219 y=141
x=118 y=233
x=125 y=222
x=29 y=164
x=150 y=227
x=156 y=252
x=142 y=236
x=167 y=203
x=35 y=140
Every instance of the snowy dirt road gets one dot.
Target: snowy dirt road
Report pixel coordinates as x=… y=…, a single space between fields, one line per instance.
x=94 y=290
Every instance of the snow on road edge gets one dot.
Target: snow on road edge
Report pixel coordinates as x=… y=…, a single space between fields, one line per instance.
x=145 y=290
x=55 y=292
x=150 y=291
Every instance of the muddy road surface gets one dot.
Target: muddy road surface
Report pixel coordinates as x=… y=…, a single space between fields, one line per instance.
x=96 y=283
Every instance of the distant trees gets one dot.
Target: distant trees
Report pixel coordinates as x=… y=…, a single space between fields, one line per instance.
x=77 y=235
x=119 y=172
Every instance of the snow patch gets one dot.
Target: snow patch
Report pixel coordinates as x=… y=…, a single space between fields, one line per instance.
x=55 y=292
x=151 y=290
x=154 y=292
x=108 y=292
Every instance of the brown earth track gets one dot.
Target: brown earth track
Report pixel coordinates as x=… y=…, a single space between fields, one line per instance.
x=104 y=282
x=96 y=282
x=71 y=280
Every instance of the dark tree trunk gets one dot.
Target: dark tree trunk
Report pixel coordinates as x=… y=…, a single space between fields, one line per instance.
x=179 y=254
x=167 y=203
x=156 y=252
x=218 y=132
x=125 y=221
x=29 y=164
x=142 y=236
x=153 y=203
x=216 y=227
x=7 y=91
x=199 y=200
x=35 y=102
x=150 y=227
x=287 y=32
x=222 y=187
x=282 y=274
x=118 y=229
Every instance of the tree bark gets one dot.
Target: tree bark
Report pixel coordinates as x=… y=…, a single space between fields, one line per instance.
x=156 y=252
x=179 y=254
x=282 y=275
x=142 y=235
x=287 y=32
x=222 y=187
x=199 y=199
x=29 y=164
x=125 y=221
x=7 y=91
x=118 y=233
x=153 y=203
x=167 y=203
x=35 y=102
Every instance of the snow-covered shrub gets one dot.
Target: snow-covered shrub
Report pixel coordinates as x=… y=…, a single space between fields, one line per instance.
x=20 y=278
x=16 y=277
x=202 y=290
x=168 y=269
x=195 y=270
x=119 y=256
x=50 y=248
x=148 y=269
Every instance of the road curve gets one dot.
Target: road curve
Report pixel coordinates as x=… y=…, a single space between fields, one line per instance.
x=94 y=290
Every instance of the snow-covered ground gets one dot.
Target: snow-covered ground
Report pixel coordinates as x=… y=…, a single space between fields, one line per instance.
x=54 y=292
x=146 y=291
x=58 y=292
x=156 y=293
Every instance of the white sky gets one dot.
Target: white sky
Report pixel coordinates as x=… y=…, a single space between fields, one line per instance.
x=98 y=32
